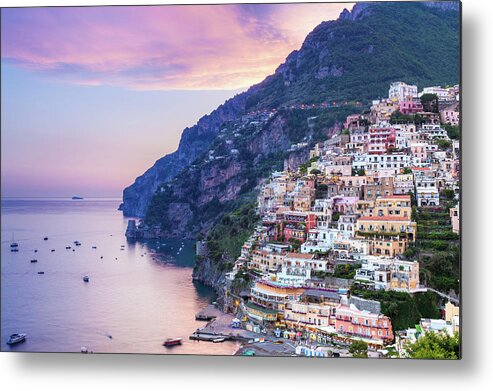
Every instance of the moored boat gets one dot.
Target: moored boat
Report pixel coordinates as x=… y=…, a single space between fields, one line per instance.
x=172 y=342
x=16 y=338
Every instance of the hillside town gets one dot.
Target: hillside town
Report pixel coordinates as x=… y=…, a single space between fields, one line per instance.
x=348 y=224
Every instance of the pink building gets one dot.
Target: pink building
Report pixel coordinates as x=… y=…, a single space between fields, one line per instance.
x=364 y=324
x=410 y=106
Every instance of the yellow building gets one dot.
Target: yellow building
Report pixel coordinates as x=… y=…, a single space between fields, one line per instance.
x=265 y=260
x=316 y=308
x=451 y=310
x=393 y=205
x=387 y=235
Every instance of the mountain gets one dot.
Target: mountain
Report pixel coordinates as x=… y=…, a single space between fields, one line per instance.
x=351 y=60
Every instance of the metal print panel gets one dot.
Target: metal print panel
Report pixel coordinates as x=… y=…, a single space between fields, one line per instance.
x=241 y=179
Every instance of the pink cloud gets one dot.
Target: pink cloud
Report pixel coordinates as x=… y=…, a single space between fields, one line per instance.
x=159 y=47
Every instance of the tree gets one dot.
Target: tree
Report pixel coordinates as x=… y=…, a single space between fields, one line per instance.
x=359 y=349
x=315 y=171
x=443 y=144
x=437 y=346
x=430 y=102
x=453 y=131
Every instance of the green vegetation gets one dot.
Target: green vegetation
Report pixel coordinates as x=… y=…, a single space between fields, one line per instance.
x=241 y=281
x=230 y=233
x=437 y=248
x=437 y=346
x=360 y=172
x=346 y=271
x=303 y=168
x=403 y=309
x=430 y=102
x=443 y=145
x=399 y=118
x=453 y=131
x=359 y=349
x=345 y=60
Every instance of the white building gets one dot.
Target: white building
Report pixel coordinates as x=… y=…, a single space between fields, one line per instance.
x=401 y=91
x=440 y=92
x=390 y=163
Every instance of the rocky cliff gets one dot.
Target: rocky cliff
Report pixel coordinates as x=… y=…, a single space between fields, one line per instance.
x=194 y=141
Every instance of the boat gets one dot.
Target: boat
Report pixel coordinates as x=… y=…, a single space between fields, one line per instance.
x=34 y=260
x=77 y=243
x=14 y=250
x=77 y=198
x=13 y=244
x=41 y=272
x=172 y=342
x=16 y=338
x=45 y=238
x=68 y=248
x=218 y=340
x=94 y=247
x=52 y=250
x=84 y=350
x=86 y=278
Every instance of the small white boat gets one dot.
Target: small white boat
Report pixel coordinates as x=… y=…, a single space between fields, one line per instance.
x=83 y=349
x=16 y=338
x=218 y=340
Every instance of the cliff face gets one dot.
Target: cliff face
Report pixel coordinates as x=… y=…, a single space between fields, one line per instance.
x=194 y=141
x=245 y=152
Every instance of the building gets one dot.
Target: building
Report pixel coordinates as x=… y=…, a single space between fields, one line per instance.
x=392 y=205
x=403 y=184
x=410 y=106
x=442 y=93
x=389 y=274
x=426 y=189
x=268 y=299
x=402 y=91
x=387 y=235
x=295 y=225
x=269 y=258
x=381 y=139
x=455 y=217
x=298 y=267
x=450 y=114
x=355 y=323
x=316 y=308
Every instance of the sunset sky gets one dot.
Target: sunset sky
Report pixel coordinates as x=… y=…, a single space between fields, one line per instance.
x=91 y=97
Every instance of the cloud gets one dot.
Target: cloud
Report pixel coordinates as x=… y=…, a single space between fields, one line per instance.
x=159 y=47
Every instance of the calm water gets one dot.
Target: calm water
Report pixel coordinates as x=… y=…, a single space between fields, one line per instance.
x=139 y=295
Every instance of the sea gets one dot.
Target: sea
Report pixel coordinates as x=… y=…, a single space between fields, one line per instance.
x=138 y=294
